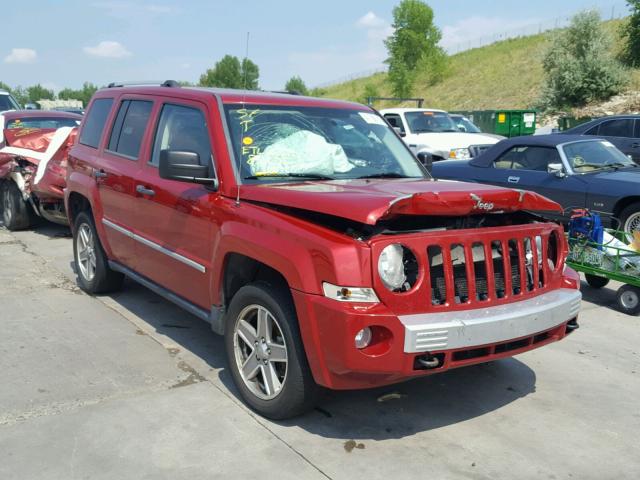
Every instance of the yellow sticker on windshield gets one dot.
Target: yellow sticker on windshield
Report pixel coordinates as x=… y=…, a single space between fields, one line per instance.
x=247 y=140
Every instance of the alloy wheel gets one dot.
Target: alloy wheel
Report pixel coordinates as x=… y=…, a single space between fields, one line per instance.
x=260 y=352
x=85 y=246
x=633 y=223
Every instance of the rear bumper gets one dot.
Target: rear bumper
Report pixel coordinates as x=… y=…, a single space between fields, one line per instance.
x=456 y=338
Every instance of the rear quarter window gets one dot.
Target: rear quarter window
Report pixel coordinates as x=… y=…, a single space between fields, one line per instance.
x=94 y=122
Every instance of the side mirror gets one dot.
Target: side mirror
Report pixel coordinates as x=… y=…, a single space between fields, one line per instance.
x=462 y=128
x=556 y=169
x=399 y=131
x=184 y=166
x=426 y=160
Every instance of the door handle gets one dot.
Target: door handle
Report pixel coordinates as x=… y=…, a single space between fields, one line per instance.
x=100 y=174
x=142 y=190
x=513 y=179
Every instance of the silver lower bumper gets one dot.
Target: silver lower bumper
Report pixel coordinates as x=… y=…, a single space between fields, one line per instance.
x=468 y=328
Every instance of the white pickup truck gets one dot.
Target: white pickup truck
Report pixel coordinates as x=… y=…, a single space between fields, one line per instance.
x=432 y=135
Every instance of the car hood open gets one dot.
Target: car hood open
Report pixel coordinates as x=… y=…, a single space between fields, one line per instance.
x=368 y=201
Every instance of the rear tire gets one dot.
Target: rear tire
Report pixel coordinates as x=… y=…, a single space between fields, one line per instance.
x=628 y=298
x=595 y=281
x=92 y=266
x=16 y=213
x=630 y=218
x=268 y=365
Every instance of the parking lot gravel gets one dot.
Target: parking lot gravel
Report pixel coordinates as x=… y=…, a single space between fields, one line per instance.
x=130 y=386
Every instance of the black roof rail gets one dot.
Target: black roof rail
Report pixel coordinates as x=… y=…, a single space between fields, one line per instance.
x=166 y=83
x=284 y=92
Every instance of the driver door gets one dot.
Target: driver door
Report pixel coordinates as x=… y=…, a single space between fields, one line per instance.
x=526 y=167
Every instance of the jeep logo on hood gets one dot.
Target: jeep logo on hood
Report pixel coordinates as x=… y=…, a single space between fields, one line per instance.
x=480 y=205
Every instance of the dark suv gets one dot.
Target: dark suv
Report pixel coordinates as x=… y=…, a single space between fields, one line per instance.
x=306 y=232
x=621 y=130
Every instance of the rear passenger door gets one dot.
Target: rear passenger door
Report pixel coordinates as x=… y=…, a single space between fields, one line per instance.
x=174 y=219
x=118 y=170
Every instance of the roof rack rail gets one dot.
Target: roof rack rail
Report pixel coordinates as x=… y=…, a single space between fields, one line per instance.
x=166 y=83
x=284 y=92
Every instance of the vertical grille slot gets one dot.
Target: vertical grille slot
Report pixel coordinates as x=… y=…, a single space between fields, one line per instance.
x=460 y=274
x=480 y=267
x=437 y=275
x=530 y=260
x=516 y=260
x=497 y=254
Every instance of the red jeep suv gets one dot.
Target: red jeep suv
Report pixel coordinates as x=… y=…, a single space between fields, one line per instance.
x=306 y=232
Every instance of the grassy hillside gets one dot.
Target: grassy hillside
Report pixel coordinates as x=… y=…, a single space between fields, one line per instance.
x=506 y=74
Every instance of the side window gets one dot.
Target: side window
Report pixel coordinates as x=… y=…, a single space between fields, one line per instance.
x=395 y=121
x=129 y=127
x=182 y=128
x=593 y=130
x=95 y=121
x=528 y=158
x=616 y=128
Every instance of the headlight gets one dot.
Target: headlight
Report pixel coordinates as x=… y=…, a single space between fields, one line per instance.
x=391 y=267
x=460 y=153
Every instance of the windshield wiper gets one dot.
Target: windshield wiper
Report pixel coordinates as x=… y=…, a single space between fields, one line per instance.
x=313 y=176
x=385 y=175
x=617 y=165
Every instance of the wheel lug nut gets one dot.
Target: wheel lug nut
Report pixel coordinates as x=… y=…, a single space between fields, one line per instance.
x=269 y=351
x=265 y=362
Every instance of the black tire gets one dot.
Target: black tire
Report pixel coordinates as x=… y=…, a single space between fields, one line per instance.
x=104 y=279
x=595 y=281
x=629 y=211
x=628 y=298
x=299 y=391
x=16 y=213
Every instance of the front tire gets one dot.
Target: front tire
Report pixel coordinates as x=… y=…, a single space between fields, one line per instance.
x=92 y=266
x=630 y=218
x=265 y=353
x=15 y=211
x=628 y=298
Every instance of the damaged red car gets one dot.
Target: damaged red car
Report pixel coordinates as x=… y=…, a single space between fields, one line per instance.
x=33 y=156
x=306 y=232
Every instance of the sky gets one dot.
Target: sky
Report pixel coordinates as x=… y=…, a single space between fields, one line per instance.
x=63 y=43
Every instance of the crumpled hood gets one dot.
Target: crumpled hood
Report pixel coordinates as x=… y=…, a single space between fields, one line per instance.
x=445 y=141
x=368 y=201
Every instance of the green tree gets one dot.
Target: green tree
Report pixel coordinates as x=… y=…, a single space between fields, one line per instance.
x=579 y=65
x=21 y=95
x=38 y=92
x=296 y=84
x=413 y=45
x=370 y=90
x=4 y=86
x=84 y=94
x=229 y=72
x=631 y=35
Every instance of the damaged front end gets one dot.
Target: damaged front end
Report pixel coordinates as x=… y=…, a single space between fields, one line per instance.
x=35 y=160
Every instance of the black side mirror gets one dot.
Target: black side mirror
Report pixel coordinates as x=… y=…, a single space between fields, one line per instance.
x=184 y=166
x=399 y=131
x=426 y=160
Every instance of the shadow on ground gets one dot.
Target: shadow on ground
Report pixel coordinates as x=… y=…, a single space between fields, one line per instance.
x=418 y=405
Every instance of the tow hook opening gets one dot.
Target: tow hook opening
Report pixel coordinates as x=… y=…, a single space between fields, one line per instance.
x=572 y=325
x=429 y=361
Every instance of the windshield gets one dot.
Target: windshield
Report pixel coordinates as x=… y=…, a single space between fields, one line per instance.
x=42 y=122
x=595 y=155
x=275 y=142
x=468 y=125
x=7 y=103
x=420 y=122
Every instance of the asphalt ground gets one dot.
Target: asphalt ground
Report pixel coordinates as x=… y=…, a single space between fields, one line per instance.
x=128 y=386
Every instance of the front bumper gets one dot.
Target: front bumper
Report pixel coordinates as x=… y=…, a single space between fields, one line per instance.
x=457 y=338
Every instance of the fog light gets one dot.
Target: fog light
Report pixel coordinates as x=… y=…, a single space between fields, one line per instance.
x=363 y=338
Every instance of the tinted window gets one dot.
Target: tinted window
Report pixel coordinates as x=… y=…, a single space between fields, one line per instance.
x=182 y=129
x=7 y=103
x=616 y=128
x=592 y=130
x=394 y=120
x=129 y=127
x=528 y=158
x=94 y=122
x=42 y=122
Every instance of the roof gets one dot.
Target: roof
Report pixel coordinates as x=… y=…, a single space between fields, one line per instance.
x=231 y=96
x=406 y=110
x=13 y=114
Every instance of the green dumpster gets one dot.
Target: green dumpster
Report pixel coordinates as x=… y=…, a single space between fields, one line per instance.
x=508 y=123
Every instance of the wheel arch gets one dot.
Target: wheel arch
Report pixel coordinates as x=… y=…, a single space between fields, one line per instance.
x=624 y=203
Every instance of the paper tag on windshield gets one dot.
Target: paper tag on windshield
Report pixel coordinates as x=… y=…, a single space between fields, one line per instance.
x=371 y=119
